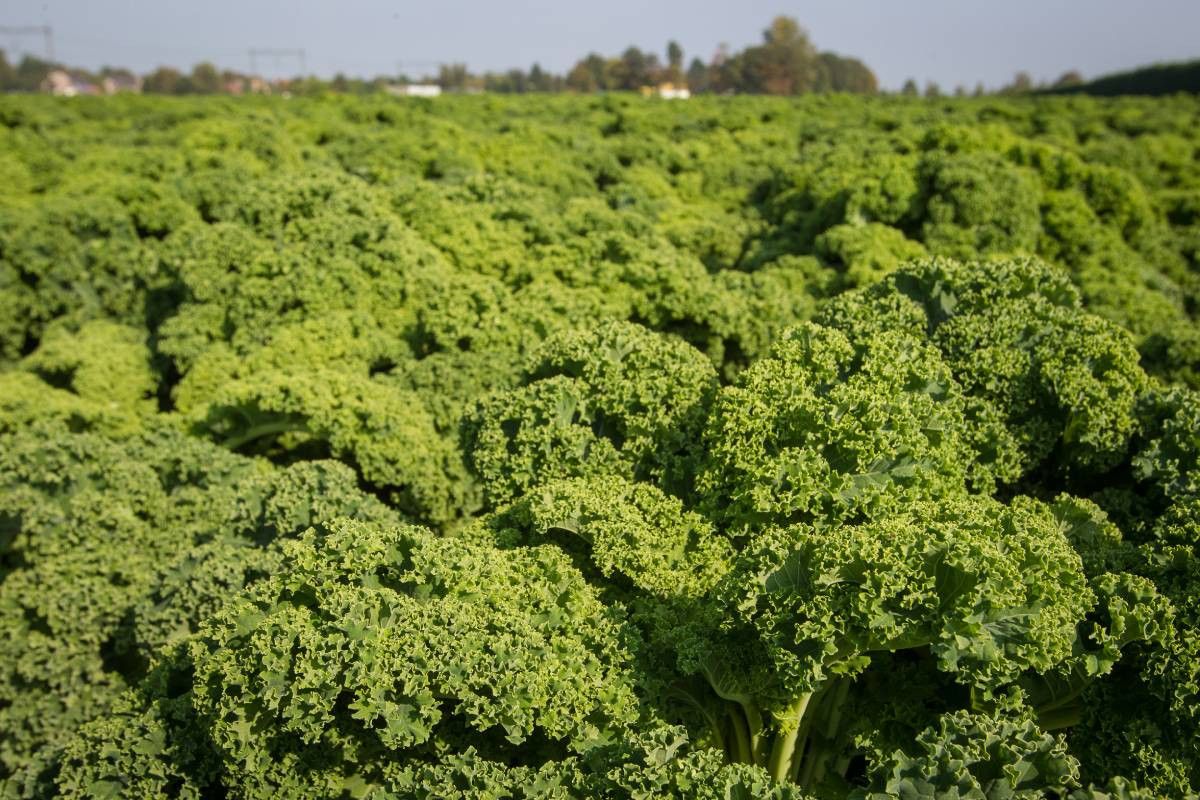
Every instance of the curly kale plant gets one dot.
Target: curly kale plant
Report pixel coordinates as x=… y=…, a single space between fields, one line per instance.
x=581 y=447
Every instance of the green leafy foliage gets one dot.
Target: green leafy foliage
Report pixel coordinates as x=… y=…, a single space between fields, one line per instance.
x=827 y=430
x=631 y=532
x=541 y=661
x=990 y=591
x=142 y=538
x=619 y=400
x=591 y=447
x=1015 y=338
x=969 y=755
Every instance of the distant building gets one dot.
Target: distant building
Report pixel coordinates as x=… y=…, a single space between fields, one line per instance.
x=414 y=89
x=239 y=85
x=669 y=91
x=63 y=84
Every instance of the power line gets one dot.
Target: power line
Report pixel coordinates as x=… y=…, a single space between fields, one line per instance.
x=45 y=31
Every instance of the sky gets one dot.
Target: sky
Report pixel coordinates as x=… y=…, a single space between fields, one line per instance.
x=950 y=42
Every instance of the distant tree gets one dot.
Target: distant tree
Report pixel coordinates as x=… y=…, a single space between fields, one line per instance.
x=960 y=91
x=499 y=82
x=579 y=78
x=30 y=72
x=979 y=90
x=588 y=75
x=164 y=80
x=8 y=75
x=674 y=71
x=840 y=74
x=205 y=79
x=539 y=80
x=786 y=63
x=856 y=77
x=453 y=77
x=1022 y=83
x=340 y=83
x=910 y=88
x=1067 y=79
x=725 y=73
x=633 y=70
x=674 y=54
x=932 y=90
x=697 y=76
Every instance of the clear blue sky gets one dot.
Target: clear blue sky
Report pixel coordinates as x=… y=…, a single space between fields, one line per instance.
x=948 y=41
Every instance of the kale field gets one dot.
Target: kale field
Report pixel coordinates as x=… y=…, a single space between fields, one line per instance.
x=600 y=447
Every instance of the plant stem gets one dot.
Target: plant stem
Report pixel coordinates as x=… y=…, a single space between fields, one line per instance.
x=815 y=767
x=835 y=713
x=755 y=724
x=785 y=744
x=799 y=751
x=265 y=429
x=741 y=736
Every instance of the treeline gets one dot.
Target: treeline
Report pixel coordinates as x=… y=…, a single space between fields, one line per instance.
x=31 y=73
x=1022 y=83
x=1151 y=81
x=26 y=75
x=786 y=62
x=1157 y=79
